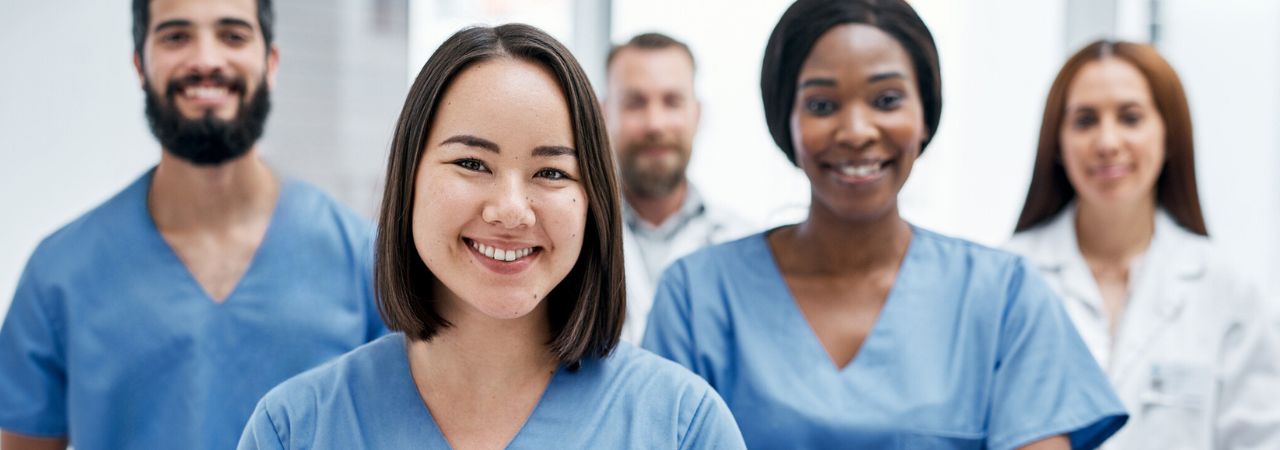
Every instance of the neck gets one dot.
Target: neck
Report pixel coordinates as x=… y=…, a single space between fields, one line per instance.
x=185 y=196
x=485 y=356
x=657 y=210
x=1115 y=233
x=825 y=244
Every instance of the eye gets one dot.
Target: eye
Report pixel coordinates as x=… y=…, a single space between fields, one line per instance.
x=888 y=101
x=820 y=106
x=552 y=174
x=1083 y=121
x=235 y=37
x=173 y=38
x=1131 y=118
x=471 y=164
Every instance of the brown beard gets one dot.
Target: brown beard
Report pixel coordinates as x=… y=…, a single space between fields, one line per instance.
x=653 y=182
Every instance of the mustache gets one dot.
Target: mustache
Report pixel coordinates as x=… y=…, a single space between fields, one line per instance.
x=235 y=84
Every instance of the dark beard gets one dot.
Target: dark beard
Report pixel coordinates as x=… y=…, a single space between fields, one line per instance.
x=207 y=141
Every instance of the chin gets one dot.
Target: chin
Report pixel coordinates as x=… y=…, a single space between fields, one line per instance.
x=508 y=307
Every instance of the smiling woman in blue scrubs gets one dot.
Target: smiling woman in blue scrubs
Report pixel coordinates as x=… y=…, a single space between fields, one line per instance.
x=499 y=261
x=854 y=328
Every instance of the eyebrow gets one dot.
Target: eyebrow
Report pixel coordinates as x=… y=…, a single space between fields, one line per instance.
x=180 y=23
x=831 y=82
x=485 y=144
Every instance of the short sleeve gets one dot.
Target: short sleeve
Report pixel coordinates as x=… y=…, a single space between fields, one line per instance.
x=1046 y=382
x=669 y=332
x=33 y=374
x=260 y=433
x=712 y=426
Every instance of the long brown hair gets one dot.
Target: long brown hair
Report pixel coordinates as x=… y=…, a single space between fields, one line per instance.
x=1176 y=192
x=587 y=307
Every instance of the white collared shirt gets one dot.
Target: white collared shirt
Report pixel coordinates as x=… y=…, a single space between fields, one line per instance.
x=1193 y=359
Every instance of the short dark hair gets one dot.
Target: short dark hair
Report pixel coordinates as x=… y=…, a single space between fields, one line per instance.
x=1051 y=191
x=142 y=22
x=807 y=20
x=650 y=41
x=587 y=307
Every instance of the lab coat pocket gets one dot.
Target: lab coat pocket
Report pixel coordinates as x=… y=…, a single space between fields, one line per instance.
x=1174 y=404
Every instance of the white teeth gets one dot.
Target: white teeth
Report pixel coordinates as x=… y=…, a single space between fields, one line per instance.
x=205 y=92
x=500 y=254
x=860 y=170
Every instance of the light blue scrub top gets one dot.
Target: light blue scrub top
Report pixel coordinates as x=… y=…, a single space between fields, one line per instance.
x=971 y=351
x=368 y=400
x=111 y=342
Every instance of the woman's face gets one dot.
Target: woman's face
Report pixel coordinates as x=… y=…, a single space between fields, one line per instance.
x=857 y=123
x=1112 y=135
x=499 y=210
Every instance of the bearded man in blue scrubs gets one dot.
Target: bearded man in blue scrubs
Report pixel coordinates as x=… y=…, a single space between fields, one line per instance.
x=157 y=319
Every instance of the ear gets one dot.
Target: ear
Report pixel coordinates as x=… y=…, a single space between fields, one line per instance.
x=273 y=63
x=137 y=67
x=697 y=112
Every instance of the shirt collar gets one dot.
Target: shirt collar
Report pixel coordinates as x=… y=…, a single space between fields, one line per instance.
x=692 y=208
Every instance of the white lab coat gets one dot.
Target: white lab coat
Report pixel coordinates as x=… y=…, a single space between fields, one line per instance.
x=1195 y=362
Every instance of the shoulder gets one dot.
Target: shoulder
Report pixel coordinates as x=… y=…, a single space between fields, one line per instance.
x=82 y=243
x=301 y=399
x=977 y=257
x=317 y=208
x=720 y=257
x=656 y=385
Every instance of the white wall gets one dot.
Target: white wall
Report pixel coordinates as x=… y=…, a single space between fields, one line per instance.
x=1227 y=53
x=72 y=130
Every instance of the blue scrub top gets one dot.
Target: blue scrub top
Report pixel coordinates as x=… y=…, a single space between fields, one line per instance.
x=971 y=351
x=368 y=400
x=111 y=342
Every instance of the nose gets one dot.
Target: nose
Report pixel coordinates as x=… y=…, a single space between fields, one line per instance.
x=1108 y=140
x=509 y=205
x=208 y=56
x=857 y=129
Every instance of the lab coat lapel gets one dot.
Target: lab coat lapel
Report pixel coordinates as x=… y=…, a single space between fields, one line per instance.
x=1168 y=275
x=1060 y=261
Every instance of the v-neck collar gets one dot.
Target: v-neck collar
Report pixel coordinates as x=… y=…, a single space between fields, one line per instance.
x=410 y=388
x=171 y=255
x=872 y=345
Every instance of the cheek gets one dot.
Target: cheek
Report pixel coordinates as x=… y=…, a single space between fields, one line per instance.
x=564 y=214
x=432 y=229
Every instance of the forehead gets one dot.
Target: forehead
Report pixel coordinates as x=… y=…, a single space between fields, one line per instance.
x=203 y=11
x=507 y=96
x=856 y=50
x=1109 y=80
x=641 y=66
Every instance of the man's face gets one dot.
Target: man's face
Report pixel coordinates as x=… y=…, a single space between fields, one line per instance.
x=652 y=116
x=206 y=72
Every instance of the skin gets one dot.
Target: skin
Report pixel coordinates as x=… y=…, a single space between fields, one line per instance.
x=214 y=218
x=500 y=160
x=652 y=115
x=1112 y=141
x=857 y=103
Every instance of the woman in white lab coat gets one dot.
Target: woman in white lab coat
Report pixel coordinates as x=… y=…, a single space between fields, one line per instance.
x=1113 y=220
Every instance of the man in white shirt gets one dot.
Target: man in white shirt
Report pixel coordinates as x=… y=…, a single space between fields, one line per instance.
x=652 y=115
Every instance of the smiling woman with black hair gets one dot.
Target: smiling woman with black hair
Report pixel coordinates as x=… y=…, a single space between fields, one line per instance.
x=854 y=328
x=499 y=262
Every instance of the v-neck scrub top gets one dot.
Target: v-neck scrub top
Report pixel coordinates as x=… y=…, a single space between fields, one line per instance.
x=367 y=399
x=111 y=341
x=971 y=351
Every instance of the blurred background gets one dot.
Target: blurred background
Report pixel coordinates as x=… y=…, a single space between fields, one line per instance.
x=72 y=130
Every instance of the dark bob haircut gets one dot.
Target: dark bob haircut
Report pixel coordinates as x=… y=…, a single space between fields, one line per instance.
x=1176 y=192
x=142 y=21
x=807 y=20
x=587 y=308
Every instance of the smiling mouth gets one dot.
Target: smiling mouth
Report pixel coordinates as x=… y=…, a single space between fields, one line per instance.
x=205 y=92
x=860 y=170
x=500 y=254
